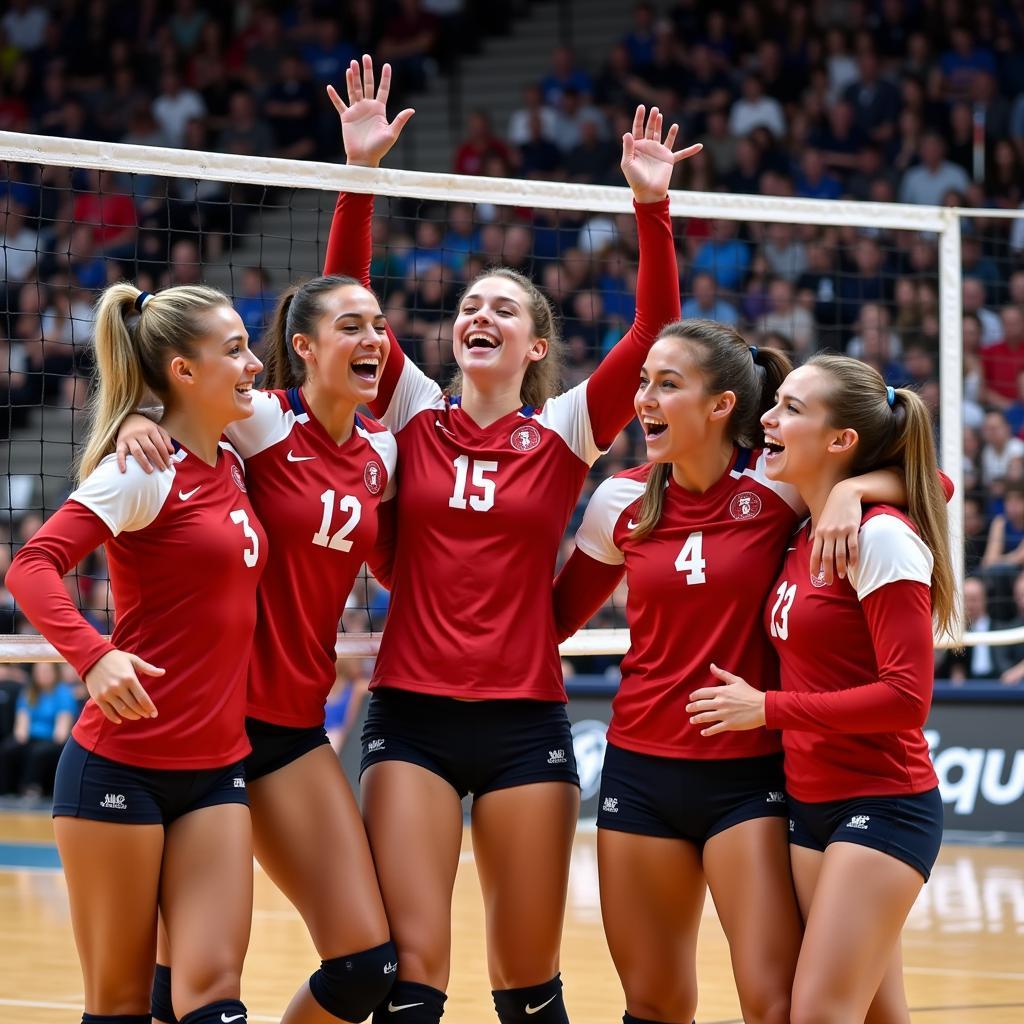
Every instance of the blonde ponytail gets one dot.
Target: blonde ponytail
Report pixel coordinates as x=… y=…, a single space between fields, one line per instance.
x=133 y=347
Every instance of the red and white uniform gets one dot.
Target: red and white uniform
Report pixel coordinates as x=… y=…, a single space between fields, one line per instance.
x=857 y=666
x=185 y=552
x=481 y=511
x=697 y=586
x=318 y=502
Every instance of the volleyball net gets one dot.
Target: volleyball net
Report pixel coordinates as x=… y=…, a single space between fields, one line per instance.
x=879 y=281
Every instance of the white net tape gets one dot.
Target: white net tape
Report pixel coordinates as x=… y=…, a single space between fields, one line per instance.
x=944 y=223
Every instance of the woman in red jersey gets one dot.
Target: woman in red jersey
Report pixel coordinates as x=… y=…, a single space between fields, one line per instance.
x=317 y=473
x=698 y=532
x=150 y=803
x=856 y=668
x=467 y=690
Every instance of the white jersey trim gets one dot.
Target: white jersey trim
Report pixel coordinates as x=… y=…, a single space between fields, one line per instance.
x=569 y=416
x=125 y=502
x=384 y=444
x=596 y=535
x=889 y=551
x=268 y=425
x=759 y=472
x=414 y=393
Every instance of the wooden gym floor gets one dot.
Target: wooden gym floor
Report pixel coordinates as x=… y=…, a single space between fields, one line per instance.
x=963 y=945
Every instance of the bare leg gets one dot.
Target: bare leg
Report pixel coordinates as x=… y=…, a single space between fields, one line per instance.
x=206 y=903
x=840 y=969
x=404 y=803
x=310 y=839
x=522 y=841
x=652 y=896
x=113 y=876
x=747 y=868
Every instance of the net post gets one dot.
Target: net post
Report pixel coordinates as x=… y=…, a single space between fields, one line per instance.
x=951 y=375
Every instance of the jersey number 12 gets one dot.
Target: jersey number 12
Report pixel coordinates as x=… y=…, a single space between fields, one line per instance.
x=339 y=542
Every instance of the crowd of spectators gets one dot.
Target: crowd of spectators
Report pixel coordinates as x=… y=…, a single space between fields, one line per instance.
x=901 y=100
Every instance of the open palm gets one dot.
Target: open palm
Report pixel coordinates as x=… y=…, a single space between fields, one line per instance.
x=647 y=162
x=365 y=129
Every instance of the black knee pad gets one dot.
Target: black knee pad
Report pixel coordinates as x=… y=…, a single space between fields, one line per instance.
x=349 y=987
x=411 y=1003
x=160 y=1001
x=117 y=1018
x=224 y=1011
x=537 y=1004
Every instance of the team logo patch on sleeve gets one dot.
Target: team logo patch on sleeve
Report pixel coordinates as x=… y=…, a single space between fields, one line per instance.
x=745 y=505
x=236 y=475
x=373 y=477
x=525 y=438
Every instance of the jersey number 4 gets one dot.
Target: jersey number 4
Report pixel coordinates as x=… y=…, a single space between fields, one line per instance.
x=481 y=467
x=691 y=559
x=780 y=610
x=339 y=542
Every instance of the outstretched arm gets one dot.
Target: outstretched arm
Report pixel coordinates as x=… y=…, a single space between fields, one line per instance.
x=580 y=589
x=647 y=163
x=368 y=137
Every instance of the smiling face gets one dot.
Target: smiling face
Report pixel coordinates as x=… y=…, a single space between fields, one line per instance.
x=798 y=436
x=219 y=377
x=494 y=336
x=347 y=350
x=673 y=405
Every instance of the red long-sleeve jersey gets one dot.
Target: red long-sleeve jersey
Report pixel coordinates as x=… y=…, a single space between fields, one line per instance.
x=856 y=666
x=185 y=552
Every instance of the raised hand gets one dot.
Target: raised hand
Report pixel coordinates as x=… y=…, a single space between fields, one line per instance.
x=647 y=162
x=365 y=129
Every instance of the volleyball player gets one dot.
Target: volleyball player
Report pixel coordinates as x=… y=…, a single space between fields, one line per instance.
x=698 y=531
x=317 y=472
x=150 y=802
x=857 y=669
x=467 y=690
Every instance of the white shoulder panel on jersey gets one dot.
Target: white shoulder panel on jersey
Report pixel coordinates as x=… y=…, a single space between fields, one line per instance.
x=889 y=551
x=233 y=452
x=789 y=494
x=568 y=416
x=414 y=393
x=268 y=424
x=595 y=537
x=129 y=501
x=384 y=444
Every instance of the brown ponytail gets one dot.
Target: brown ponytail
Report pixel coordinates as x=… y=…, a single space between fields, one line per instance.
x=726 y=363
x=897 y=435
x=298 y=310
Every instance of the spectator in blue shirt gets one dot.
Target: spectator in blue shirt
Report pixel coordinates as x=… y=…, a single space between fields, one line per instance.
x=256 y=303
x=705 y=304
x=564 y=75
x=44 y=714
x=724 y=256
x=814 y=181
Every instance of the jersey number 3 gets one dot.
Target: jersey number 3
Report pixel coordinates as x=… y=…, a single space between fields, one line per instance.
x=481 y=467
x=250 y=555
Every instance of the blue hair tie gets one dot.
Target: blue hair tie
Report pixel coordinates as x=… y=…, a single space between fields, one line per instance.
x=142 y=299
x=890 y=396
x=753 y=352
